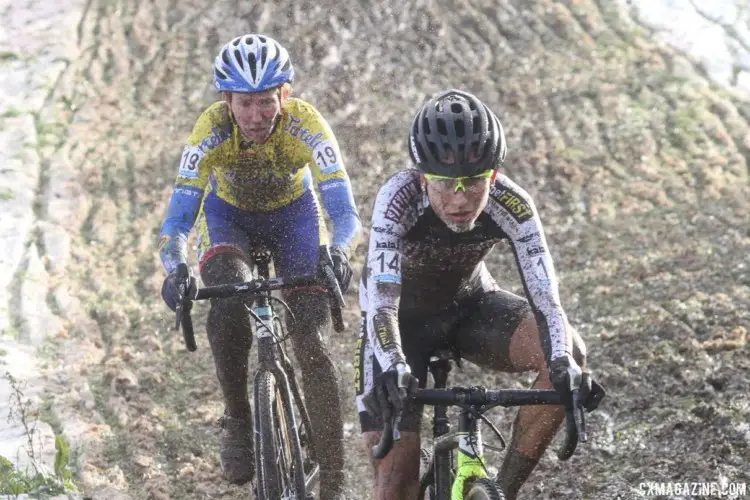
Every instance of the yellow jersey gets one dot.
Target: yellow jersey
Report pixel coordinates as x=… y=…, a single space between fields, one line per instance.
x=219 y=160
x=260 y=177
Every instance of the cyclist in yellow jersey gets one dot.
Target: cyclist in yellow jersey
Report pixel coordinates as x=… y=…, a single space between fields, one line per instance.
x=261 y=177
x=246 y=176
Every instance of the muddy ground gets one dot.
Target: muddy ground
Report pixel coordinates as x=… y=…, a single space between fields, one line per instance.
x=639 y=166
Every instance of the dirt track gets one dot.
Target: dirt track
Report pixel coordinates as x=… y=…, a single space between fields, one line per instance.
x=640 y=169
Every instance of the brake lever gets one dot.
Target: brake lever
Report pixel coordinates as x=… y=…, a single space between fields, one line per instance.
x=573 y=425
x=183 y=308
x=178 y=309
x=384 y=445
x=397 y=426
x=579 y=416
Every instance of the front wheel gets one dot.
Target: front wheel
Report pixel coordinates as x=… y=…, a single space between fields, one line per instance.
x=426 y=478
x=482 y=489
x=280 y=474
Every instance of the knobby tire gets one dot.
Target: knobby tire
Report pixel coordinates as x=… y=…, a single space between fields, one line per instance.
x=482 y=489
x=279 y=466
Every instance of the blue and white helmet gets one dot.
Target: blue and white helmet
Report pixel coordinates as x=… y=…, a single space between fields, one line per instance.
x=252 y=63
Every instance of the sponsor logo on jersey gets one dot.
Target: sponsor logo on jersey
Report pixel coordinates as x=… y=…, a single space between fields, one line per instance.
x=513 y=204
x=294 y=129
x=528 y=237
x=188 y=191
x=400 y=201
x=383 y=337
x=386 y=327
x=531 y=251
x=217 y=137
x=413 y=144
x=387 y=278
x=393 y=245
x=331 y=184
x=358 y=373
x=385 y=230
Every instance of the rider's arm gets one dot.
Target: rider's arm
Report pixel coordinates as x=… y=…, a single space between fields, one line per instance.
x=390 y=220
x=335 y=187
x=520 y=221
x=187 y=194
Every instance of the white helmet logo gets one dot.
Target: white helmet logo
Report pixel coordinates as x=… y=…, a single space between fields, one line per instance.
x=413 y=145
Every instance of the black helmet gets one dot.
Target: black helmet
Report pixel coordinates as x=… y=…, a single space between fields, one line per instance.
x=456 y=123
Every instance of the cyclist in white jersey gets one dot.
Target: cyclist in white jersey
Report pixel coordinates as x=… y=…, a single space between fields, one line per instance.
x=426 y=288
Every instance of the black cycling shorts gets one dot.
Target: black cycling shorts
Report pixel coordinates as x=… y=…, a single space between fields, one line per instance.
x=479 y=327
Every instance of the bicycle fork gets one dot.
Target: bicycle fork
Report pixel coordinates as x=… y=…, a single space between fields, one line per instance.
x=468 y=441
x=470 y=453
x=268 y=361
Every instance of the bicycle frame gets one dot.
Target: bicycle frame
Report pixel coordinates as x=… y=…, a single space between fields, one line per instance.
x=474 y=401
x=468 y=441
x=272 y=358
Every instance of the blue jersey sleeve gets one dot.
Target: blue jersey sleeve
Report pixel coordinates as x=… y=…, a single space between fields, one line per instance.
x=339 y=204
x=181 y=215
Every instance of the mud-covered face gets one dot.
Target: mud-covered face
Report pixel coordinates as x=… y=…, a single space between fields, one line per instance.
x=255 y=114
x=459 y=201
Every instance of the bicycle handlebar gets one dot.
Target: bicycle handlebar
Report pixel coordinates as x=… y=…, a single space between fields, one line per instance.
x=324 y=277
x=575 y=426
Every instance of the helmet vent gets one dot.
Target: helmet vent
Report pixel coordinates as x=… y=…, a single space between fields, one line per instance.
x=457 y=108
x=433 y=149
x=263 y=55
x=251 y=59
x=426 y=127
x=220 y=74
x=238 y=58
x=441 y=128
x=460 y=130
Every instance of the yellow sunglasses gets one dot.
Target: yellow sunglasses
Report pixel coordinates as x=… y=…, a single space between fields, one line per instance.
x=473 y=183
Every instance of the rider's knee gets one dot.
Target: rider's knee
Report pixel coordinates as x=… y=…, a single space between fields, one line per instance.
x=226 y=313
x=401 y=456
x=309 y=305
x=225 y=267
